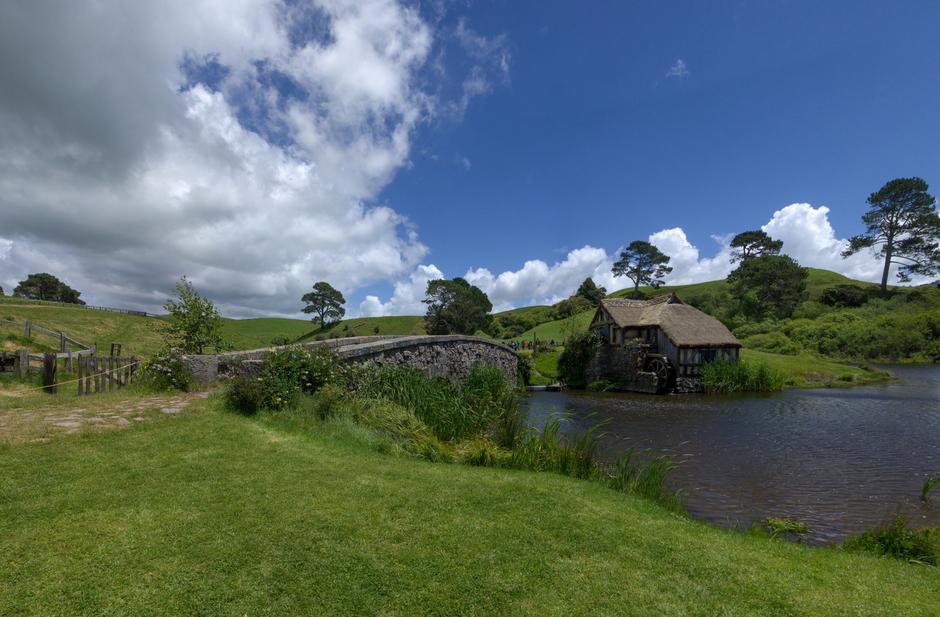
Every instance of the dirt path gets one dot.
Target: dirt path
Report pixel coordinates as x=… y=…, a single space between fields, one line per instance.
x=42 y=424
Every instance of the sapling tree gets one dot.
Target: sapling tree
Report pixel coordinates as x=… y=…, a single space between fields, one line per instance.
x=194 y=323
x=642 y=263
x=903 y=227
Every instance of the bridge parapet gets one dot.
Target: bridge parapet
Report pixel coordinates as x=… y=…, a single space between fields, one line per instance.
x=450 y=356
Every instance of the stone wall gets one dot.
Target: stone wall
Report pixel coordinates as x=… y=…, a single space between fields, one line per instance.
x=450 y=356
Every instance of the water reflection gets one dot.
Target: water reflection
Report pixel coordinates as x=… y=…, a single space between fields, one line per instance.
x=841 y=460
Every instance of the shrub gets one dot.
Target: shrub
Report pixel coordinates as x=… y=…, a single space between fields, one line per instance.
x=574 y=359
x=290 y=371
x=845 y=296
x=244 y=394
x=329 y=400
x=166 y=371
x=524 y=369
x=774 y=342
x=727 y=377
x=899 y=541
x=280 y=340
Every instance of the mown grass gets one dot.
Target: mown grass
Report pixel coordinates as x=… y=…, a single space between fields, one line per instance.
x=211 y=513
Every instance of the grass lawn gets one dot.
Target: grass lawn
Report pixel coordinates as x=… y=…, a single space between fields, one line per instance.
x=808 y=370
x=209 y=513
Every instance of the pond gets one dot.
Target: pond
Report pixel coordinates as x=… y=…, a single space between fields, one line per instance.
x=841 y=460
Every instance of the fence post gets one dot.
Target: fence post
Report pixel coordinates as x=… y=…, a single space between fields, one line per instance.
x=81 y=380
x=62 y=344
x=21 y=364
x=68 y=362
x=28 y=330
x=49 y=366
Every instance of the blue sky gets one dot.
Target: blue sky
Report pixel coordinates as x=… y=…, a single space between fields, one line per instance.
x=591 y=143
x=377 y=144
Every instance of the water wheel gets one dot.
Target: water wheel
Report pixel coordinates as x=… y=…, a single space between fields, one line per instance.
x=660 y=367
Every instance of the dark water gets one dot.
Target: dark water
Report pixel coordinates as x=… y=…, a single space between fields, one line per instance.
x=841 y=460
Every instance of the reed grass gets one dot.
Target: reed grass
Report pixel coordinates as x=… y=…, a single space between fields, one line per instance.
x=742 y=376
x=647 y=478
x=549 y=450
x=929 y=484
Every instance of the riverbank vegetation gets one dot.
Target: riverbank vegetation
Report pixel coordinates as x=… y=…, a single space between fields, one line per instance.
x=742 y=376
x=284 y=513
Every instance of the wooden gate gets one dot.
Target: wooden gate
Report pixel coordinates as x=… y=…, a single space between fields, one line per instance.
x=104 y=373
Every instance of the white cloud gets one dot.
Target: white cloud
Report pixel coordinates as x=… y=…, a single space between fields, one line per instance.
x=538 y=283
x=491 y=61
x=407 y=297
x=679 y=69
x=687 y=265
x=114 y=150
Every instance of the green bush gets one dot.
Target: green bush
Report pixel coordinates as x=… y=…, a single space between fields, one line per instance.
x=165 y=371
x=524 y=369
x=574 y=359
x=773 y=342
x=291 y=371
x=244 y=394
x=845 y=296
x=727 y=377
x=899 y=541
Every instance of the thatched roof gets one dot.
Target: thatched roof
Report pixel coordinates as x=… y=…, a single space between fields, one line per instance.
x=685 y=325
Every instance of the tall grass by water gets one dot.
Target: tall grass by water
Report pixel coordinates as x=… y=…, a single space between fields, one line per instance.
x=742 y=376
x=646 y=478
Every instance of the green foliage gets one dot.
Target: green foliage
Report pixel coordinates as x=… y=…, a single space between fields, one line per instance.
x=930 y=483
x=742 y=376
x=600 y=386
x=325 y=302
x=165 y=371
x=524 y=368
x=773 y=342
x=573 y=306
x=902 y=224
x=642 y=263
x=899 y=541
x=289 y=372
x=547 y=450
x=456 y=307
x=590 y=292
x=769 y=285
x=477 y=407
x=749 y=244
x=574 y=359
x=194 y=323
x=845 y=296
x=778 y=526
x=647 y=479
x=244 y=394
x=44 y=286
x=280 y=340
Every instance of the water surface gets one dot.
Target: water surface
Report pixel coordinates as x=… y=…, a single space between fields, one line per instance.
x=842 y=460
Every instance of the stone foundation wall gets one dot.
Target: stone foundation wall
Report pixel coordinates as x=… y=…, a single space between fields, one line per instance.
x=622 y=366
x=438 y=356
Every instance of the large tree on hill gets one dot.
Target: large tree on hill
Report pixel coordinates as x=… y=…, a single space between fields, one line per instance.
x=642 y=263
x=194 y=324
x=44 y=286
x=325 y=302
x=902 y=224
x=755 y=243
x=591 y=292
x=456 y=307
x=768 y=285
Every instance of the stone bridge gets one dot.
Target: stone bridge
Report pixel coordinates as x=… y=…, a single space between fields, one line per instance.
x=450 y=356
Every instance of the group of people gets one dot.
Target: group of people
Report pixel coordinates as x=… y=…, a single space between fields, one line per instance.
x=531 y=345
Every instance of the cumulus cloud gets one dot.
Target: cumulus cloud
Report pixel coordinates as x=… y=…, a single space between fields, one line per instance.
x=407 y=297
x=241 y=143
x=678 y=70
x=806 y=232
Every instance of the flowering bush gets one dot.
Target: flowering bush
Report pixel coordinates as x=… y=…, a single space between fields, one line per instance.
x=166 y=371
x=289 y=372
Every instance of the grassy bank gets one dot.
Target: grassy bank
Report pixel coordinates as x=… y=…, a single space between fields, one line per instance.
x=209 y=513
x=806 y=370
